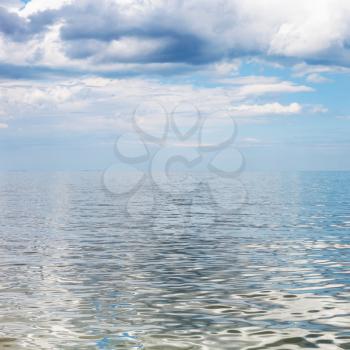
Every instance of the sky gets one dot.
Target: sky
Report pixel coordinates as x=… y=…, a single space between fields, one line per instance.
x=77 y=76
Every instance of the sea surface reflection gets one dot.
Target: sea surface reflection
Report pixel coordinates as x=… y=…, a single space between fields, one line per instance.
x=78 y=273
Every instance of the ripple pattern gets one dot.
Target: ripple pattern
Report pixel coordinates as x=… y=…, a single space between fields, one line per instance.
x=77 y=274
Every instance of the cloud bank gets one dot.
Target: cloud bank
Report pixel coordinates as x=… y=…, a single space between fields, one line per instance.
x=161 y=35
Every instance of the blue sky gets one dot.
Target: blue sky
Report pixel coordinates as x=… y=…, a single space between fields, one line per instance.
x=72 y=73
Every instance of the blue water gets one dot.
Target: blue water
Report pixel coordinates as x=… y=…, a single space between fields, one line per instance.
x=83 y=268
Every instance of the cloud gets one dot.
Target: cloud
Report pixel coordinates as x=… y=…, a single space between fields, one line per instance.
x=317 y=78
x=107 y=104
x=12 y=5
x=12 y=25
x=35 y=6
x=317 y=109
x=99 y=35
x=3 y=126
x=266 y=109
x=251 y=140
x=343 y=117
x=227 y=68
x=18 y=28
x=317 y=73
x=271 y=88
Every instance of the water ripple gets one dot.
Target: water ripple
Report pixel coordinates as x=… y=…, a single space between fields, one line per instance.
x=75 y=274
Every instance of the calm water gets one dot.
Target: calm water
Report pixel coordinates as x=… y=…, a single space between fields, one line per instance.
x=78 y=272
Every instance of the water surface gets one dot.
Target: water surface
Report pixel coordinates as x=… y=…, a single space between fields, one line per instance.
x=78 y=272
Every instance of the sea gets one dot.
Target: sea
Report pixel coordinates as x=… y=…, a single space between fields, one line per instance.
x=262 y=262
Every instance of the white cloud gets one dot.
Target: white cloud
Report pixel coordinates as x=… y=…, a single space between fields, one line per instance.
x=311 y=32
x=128 y=49
x=317 y=78
x=266 y=109
x=250 y=80
x=35 y=6
x=271 y=88
x=3 y=126
x=250 y=141
x=13 y=5
x=317 y=109
x=108 y=103
x=227 y=68
x=343 y=117
x=317 y=73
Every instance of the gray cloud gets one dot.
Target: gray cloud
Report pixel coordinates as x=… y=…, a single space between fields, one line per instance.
x=190 y=32
x=200 y=33
x=20 y=28
x=13 y=25
x=88 y=26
